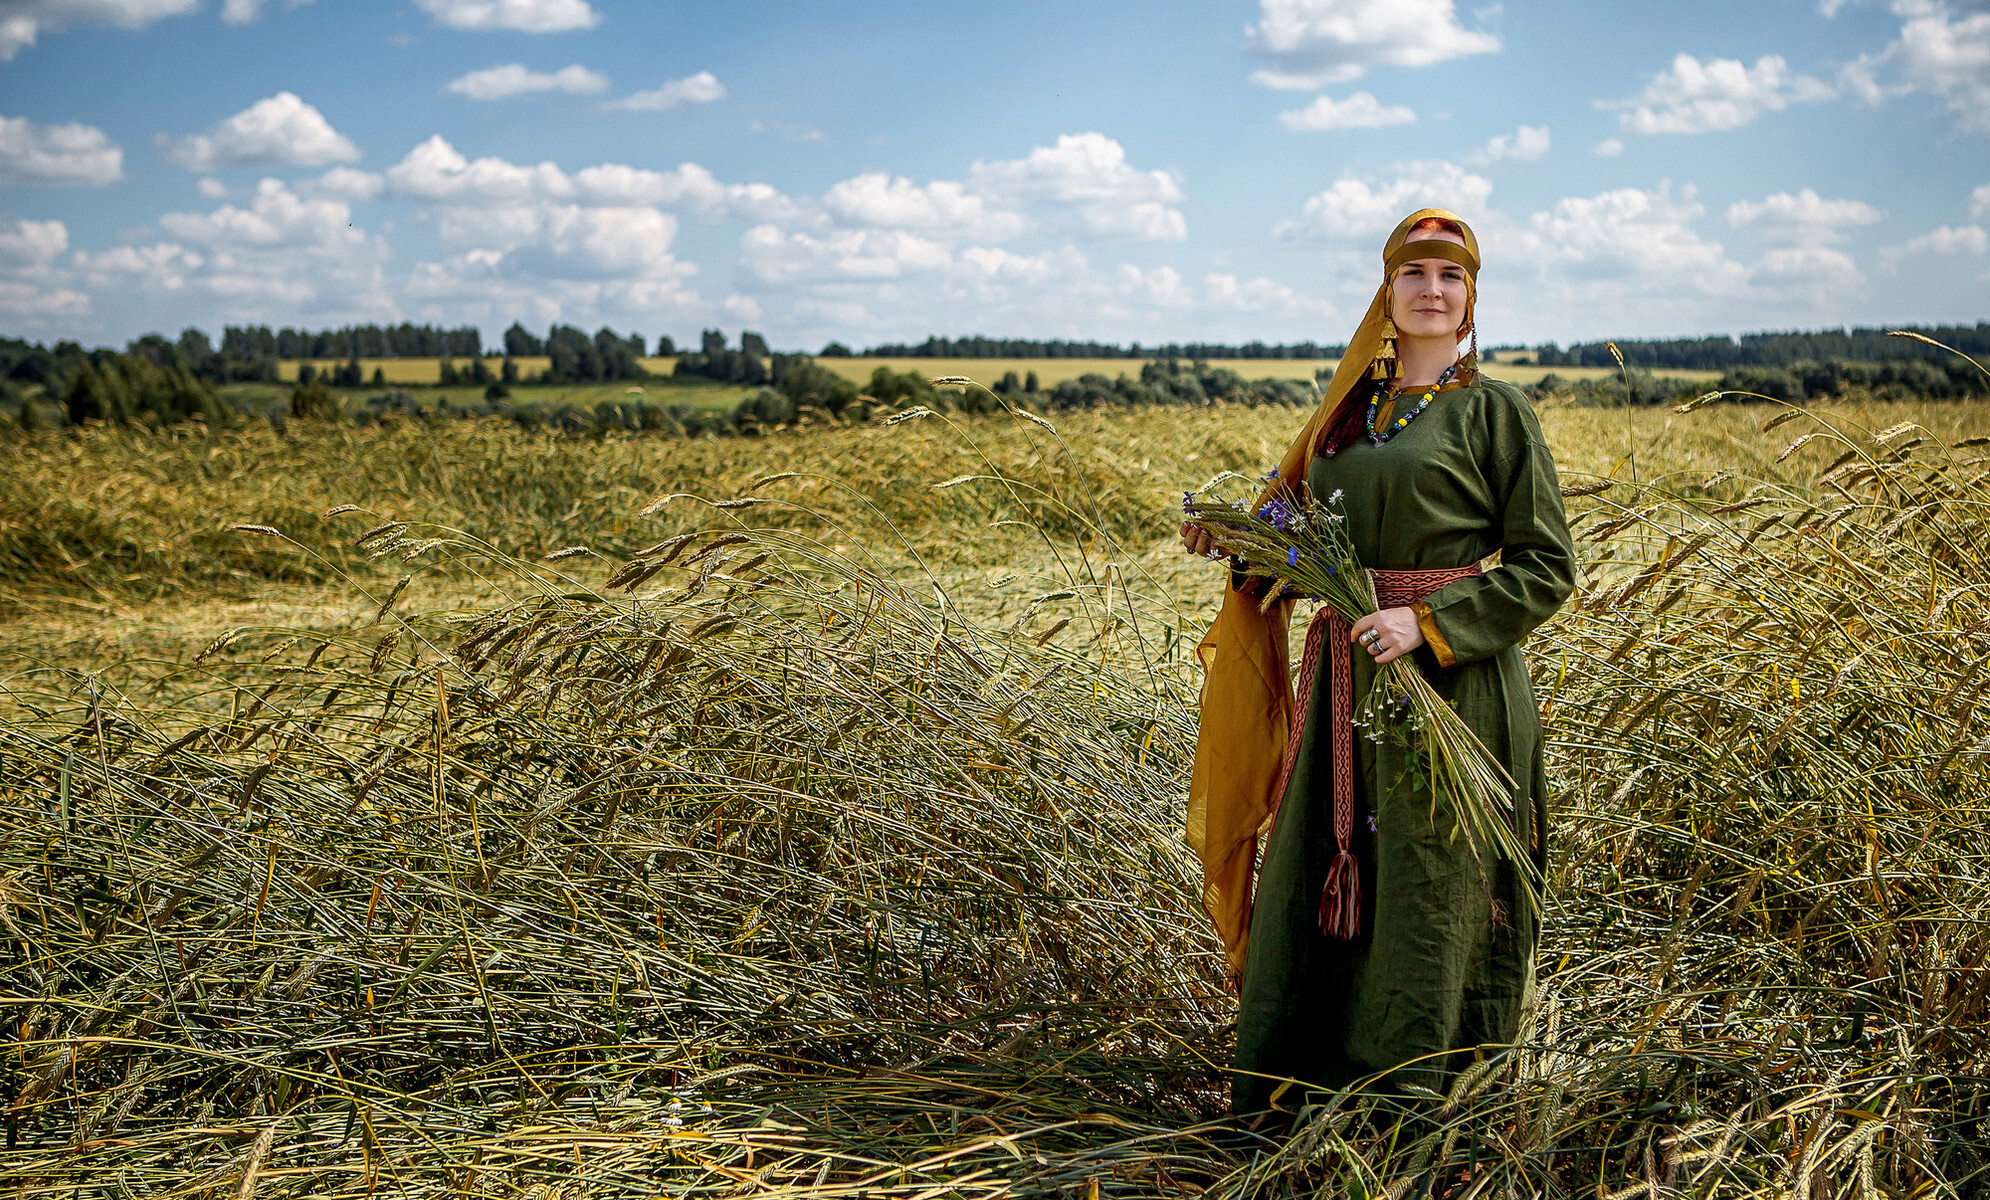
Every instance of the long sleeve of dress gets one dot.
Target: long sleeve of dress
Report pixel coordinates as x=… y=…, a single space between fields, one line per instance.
x=1480 y=617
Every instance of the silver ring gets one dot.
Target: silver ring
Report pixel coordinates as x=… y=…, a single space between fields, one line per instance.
x=1371 y=637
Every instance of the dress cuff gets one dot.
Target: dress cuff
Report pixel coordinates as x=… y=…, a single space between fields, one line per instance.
x=1433 y=636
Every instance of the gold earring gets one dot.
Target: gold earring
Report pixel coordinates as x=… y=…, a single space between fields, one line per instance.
x=1384 y=368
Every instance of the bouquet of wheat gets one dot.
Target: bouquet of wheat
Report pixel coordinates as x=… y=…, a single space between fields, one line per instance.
x=1304 y=548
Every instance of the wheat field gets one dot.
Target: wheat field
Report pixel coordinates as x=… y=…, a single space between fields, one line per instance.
x=458 y=811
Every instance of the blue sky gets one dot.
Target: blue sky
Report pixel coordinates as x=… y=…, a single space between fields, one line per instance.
x=1124 y=171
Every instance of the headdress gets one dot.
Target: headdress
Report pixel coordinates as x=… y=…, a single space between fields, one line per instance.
x=1247 y=702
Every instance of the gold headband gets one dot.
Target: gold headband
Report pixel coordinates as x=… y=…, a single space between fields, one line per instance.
x=1431 y=248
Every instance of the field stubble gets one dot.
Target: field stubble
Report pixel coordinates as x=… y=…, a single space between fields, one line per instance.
x=822 y=835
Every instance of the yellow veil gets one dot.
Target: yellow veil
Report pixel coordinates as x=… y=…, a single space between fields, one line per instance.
x=1247 y=700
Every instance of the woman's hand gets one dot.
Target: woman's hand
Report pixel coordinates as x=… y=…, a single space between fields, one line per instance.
x=1197 y=540
x=1398 y=630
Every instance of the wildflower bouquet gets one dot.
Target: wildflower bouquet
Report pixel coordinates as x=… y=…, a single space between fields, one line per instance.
x=1305 y=549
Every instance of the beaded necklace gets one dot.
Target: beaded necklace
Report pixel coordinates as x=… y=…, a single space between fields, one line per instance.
x=1400 y=423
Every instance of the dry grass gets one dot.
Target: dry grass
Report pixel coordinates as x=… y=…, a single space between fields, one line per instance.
x=844 y=857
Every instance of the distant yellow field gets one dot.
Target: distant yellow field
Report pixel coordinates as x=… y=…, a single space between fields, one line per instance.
x=429 y=370
x=1053 y=371
x=986 y=371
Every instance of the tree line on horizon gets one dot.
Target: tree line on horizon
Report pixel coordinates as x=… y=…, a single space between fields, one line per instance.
x=986 y=347
x=1774 y=349
x=250 y=353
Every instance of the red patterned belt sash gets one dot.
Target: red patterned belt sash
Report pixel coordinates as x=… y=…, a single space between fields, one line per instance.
x=1340 y=899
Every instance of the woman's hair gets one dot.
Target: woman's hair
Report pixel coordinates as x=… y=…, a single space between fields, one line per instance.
x=1350 y=418
x=1437 y=223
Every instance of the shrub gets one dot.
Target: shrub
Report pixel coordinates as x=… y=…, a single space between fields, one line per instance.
x=311 y=400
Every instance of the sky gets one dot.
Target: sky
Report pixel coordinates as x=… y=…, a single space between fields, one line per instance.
x=1119 y=170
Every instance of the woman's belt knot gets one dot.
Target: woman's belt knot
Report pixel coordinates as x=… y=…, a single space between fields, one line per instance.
x=1340 y=898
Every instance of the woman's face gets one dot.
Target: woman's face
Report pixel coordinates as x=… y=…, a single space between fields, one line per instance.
x=1429 y=293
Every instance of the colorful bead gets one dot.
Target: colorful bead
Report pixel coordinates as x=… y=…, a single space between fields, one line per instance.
x=1423 y=402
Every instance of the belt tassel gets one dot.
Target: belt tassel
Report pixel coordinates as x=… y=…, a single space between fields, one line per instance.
x=1340 y=896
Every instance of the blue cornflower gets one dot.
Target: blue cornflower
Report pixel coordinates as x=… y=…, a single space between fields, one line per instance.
x=1187 y=499
x=1270 y=476
x=1333 y=569
x=1292 y=556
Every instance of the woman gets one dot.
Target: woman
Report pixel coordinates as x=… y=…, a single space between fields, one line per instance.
x=1429 y=950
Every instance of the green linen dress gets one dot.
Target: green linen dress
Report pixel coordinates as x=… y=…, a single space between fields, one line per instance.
x=1444 y=962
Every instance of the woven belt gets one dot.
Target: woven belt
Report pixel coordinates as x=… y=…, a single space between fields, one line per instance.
x=1340 y=898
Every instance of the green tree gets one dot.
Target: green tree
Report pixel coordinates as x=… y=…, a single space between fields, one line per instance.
x=519 y=342
x=311 y=400
x=194 y=347
x=815 y=385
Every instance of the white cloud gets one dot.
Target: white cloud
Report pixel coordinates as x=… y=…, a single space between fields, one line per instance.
x=688 y=188
x=1359 y=111
x=163 y=265
x=281 y=131
x=276 y=216
x=1637 y=259
x=1814 y=266
x=776 y=257
x=571 y=242
x=1525 y=144
x=1626 y=234
x=22 y=21
x=280 y=251
x=243 y=12
x=345 y=183
x=212 y=188
x=1946 y=239
x=1802 y=215
x=991 y=267
x=1721 y=93
x=1307 y=44
x=1938 y=51
x=1609 y=148
x=520 y=238
x=57 y=154
x=32 y=245
x=1085 y=180
x=436 y=171
x=1979 y=201
x=1227 y=293
x=1160 y=287
x=523 y=16
x=516 y=79
x=880 y=200
x=1358 y=207
x=746 y=308
x=702 y=88
x=34 y=295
